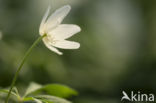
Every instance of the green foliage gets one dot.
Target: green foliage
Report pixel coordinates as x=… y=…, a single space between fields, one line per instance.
x=52 y=99
x=6 y=91
x=55 y=93
x=32 y=88
x=57 y=90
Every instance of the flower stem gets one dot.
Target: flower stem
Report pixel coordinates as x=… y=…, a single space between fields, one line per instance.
x=22 y=62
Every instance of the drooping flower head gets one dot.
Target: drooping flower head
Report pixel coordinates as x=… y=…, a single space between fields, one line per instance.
x=57 y=33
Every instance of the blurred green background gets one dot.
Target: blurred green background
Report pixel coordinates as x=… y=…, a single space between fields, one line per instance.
x=118 y=47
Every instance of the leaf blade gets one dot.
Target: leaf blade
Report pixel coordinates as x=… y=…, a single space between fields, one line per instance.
x=58 y=90
x=52 y=99
x=32 y=88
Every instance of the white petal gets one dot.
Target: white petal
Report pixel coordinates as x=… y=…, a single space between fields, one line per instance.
x=41 y=30
x=57 y=17
x=52 y=48
x=64 y=44
x=65 y=31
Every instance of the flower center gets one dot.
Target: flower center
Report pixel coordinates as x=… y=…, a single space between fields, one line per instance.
x=51 y=39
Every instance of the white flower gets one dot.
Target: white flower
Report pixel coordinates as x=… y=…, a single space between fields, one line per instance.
x=56 y=33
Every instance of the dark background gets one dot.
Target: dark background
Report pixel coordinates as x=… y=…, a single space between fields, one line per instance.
x=118 y=47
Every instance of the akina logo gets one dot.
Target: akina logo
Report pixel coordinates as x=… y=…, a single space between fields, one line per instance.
x=138 y=96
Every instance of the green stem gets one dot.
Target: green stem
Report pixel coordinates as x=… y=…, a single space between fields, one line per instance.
x=20 y=66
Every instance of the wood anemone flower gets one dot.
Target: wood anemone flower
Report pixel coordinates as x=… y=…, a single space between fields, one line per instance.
x=57 y=33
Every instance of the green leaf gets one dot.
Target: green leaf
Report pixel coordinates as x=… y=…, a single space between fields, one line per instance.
x=32 y=88
x=16 y=91
x=25 y=99
x=52 y=99
x=50 y=89
x=29 y=99
x=7 y=91
x=37 y=100
x=46 y=101
x=58 y=90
